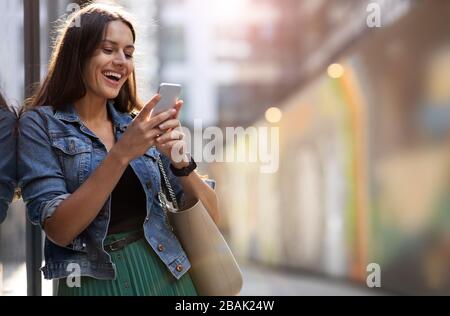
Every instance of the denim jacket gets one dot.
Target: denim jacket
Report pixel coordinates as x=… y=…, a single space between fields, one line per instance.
x=8 y=123
x=57 y=153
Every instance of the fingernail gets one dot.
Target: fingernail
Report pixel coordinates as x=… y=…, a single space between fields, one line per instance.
x=162 y=126
x=173 y=111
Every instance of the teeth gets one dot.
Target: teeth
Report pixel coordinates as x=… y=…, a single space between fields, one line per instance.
x=114 y=74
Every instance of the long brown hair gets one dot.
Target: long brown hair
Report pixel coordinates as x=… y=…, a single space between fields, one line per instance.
x=78 y=39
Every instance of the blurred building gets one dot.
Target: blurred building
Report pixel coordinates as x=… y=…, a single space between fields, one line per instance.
x=364 y=152
x=218 y=51
x=11 y=53
x=12 y=76
x=12 y=231
x=237 y=58
x=186 y=57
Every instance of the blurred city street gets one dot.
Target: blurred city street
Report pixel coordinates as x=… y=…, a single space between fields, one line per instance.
x=263 y=281
x=324 y=123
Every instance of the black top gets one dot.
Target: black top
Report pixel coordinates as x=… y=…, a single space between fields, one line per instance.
x=128 y=204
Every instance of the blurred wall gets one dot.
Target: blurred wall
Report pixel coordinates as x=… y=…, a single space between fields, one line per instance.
x=364 y=166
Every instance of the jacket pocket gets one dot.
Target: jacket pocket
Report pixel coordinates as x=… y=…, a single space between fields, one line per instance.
x=74 y=155
x=71 y=145
x=78 y=245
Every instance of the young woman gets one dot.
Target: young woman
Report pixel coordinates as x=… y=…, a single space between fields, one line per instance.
x=88 y=170
x=8 y=122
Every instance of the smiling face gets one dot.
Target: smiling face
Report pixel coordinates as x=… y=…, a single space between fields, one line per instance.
x=112 y=62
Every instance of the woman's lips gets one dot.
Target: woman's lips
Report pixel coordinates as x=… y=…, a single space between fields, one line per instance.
x=112 y=83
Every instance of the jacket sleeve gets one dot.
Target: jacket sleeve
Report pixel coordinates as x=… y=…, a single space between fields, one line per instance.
x=39 y=171
x=8 y=124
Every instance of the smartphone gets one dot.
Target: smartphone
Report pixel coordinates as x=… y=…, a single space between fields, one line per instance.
x=170 y=93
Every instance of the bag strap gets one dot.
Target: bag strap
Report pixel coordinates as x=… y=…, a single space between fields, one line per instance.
x=166 y=181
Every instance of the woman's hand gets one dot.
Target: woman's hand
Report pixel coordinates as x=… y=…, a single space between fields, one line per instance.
x=172 y=143
x=141 y=134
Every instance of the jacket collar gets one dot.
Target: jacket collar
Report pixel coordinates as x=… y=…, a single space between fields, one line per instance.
x=119 y=119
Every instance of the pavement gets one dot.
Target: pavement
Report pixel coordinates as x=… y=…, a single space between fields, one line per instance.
x=263 y=281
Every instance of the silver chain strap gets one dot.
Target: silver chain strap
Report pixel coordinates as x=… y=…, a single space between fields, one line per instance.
x=167 y=183
x=166 y=204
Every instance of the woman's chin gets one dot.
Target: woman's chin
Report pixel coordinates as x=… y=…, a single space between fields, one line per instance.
x=110 y=95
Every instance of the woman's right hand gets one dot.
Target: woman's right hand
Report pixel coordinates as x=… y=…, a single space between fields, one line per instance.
x=142 y=133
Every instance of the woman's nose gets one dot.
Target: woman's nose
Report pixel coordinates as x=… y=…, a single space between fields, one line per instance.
x=119 y=59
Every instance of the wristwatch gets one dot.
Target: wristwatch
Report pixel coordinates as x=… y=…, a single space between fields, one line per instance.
x=184 y=172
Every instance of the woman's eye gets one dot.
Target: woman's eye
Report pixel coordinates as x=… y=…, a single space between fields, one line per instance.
x=129 y=56
x=107 y=50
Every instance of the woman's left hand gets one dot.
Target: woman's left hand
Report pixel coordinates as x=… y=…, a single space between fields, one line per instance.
x=172 y=143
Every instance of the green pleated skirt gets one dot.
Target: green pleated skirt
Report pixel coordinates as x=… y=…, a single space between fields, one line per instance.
x=139 y=272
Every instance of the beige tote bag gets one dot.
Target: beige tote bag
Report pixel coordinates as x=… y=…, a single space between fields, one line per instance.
x=214 y=269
